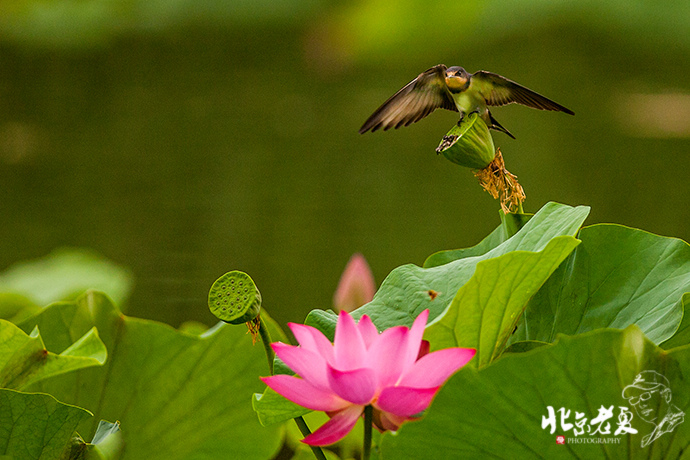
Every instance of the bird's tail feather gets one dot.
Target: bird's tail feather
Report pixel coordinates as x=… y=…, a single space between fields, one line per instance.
x=497 y=126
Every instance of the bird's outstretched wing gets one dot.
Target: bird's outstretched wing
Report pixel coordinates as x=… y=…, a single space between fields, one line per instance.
x=415 y=101
x=498 y=90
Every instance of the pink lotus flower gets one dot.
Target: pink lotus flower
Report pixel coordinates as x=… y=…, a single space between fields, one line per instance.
x=356 y=286
x=363 y=367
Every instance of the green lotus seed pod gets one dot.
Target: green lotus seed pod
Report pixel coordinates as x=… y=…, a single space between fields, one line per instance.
x=469 y=144
x=234 y=298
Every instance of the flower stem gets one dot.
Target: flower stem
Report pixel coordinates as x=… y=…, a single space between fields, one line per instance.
x=266 y=341
x=270 y=355
x=302 y=425
x=368 y=418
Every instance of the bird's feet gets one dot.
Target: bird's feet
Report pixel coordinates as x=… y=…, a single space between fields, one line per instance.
x=463 y=114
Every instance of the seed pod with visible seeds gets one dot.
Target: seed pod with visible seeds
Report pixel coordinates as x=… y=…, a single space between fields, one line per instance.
x=469 y=144
x=234 y=298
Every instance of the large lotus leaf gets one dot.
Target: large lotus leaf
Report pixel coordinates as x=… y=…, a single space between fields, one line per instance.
x=498 y=412
x=486 y=309
x=618 y=276
x=510 y=224
x=177 y=395
x=408 y=290
x=25 y=360
x=36 y=426
x=64 y=274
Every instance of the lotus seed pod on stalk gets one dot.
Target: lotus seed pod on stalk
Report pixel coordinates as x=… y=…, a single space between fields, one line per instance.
x=234 y=298
x=470 y=144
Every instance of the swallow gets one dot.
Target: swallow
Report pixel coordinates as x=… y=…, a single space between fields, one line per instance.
x=452 y=88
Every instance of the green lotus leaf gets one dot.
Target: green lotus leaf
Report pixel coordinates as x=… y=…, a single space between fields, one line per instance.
x=510 y=225
x=498 y=412
x=618 y=276
x=36 y=426
x=487 y=308
x=177 y=395
x=63 y=275
x=24 y=358
x=410 y=289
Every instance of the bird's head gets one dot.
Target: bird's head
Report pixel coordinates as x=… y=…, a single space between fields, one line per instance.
x=457 y=79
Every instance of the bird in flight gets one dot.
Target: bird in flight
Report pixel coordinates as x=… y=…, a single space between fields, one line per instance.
x=452 y=88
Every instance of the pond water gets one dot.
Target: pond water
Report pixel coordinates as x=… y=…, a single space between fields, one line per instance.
x=187 y=156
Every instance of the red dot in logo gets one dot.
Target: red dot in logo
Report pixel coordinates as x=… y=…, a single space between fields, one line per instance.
x=560 y=439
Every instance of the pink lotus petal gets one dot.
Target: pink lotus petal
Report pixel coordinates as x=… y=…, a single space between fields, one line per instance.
x=368 y=331
x=357 y=386
x=313 y=339
x=348 y=345
x=307 y=364
x=415 y=339
x=434 y=369
x=356 y=286
x=336 y=428
x=405 y=401
x=387 y=355
x=303 y=393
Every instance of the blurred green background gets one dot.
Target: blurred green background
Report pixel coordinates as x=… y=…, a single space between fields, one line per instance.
x=186 y=138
